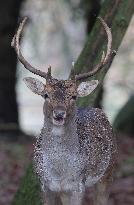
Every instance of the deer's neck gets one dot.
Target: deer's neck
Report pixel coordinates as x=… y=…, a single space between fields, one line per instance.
x=64 y=135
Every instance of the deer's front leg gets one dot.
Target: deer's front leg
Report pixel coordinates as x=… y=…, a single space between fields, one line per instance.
x=102 y=190
x=51 y=198
x=72 y=198
x=101 y=194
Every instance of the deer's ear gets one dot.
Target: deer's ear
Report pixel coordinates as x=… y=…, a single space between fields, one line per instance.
x=85 y=88
x=35 y=85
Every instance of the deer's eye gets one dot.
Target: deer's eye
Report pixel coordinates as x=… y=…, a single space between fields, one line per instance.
x=74 y=97
x=46 y=96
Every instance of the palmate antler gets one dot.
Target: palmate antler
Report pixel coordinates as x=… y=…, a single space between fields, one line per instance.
x=16 y=45
x=104 y=59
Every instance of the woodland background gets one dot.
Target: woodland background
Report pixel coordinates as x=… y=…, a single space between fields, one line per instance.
x=55 y=35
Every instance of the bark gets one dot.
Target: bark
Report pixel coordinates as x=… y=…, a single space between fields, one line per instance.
x=9 y=12
x=117 y=13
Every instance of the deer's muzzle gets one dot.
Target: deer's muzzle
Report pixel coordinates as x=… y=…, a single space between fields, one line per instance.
x=59 y=115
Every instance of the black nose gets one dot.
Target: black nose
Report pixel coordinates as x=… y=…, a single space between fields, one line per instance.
x=59 y=114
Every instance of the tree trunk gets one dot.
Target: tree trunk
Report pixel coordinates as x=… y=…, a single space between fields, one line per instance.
x=92 y=9
x=117 y=13
x=9 y=12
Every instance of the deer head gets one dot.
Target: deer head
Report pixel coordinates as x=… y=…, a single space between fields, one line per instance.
x=60 y=95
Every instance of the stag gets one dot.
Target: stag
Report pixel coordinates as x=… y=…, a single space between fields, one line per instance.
x=76 y=147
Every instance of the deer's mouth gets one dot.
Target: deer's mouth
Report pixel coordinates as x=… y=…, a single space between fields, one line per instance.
x=58 y=120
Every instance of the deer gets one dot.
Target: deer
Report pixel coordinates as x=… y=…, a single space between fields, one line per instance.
x=76 y=148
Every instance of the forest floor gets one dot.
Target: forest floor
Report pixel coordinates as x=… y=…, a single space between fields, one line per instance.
x=15 y=156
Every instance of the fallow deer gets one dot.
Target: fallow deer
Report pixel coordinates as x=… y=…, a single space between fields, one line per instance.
x=76 y=147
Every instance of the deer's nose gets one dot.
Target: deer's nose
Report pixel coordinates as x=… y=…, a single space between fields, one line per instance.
x=59 y=113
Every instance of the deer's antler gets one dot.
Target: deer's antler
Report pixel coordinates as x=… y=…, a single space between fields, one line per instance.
x=105 y=58
x=16 y=45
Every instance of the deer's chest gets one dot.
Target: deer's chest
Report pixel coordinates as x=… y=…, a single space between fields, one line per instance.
x=62 y=169
x=62 y=165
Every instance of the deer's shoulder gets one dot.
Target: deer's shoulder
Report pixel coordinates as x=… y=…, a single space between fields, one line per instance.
x=90 y=114
x=93 y=121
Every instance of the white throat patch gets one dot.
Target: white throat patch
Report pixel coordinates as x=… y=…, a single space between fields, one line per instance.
x=58 y=130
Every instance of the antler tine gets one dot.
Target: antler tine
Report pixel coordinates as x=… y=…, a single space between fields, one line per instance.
x=16 y=45
x=105 y=58
x=109 y=38
x=72 y=73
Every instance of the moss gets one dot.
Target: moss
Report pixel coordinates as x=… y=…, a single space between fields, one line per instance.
x=29 y=191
